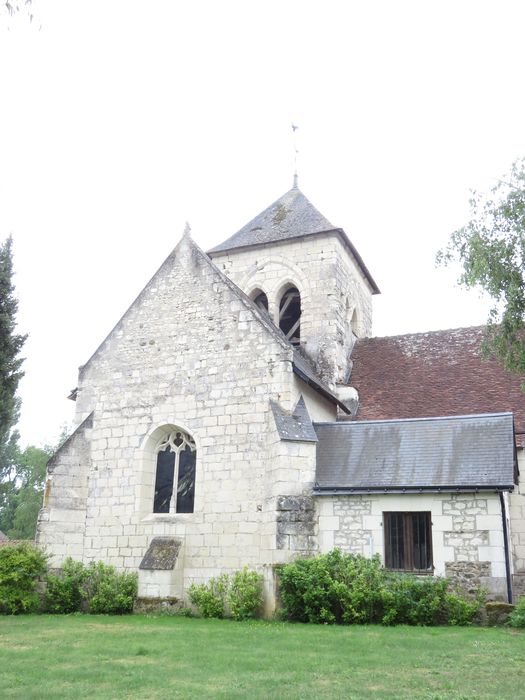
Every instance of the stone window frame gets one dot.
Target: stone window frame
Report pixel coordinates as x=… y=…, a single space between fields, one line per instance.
x=408 y=518
x=256 y=295
x=271 y=274
x=148 y=464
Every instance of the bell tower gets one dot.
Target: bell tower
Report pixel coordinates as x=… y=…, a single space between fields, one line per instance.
x=308 y=276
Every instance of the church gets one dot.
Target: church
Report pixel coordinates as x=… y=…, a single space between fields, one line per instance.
x=240 y=413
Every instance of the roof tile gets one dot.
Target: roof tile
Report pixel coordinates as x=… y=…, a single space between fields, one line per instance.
x=440 y=373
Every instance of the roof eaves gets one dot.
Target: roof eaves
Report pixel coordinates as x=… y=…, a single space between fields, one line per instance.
x=359 y=490
x=319 y=387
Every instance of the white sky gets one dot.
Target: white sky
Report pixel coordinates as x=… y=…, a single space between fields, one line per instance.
x=120 y=119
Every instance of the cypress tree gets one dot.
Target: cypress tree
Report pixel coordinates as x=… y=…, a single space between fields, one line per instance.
x=10 y=346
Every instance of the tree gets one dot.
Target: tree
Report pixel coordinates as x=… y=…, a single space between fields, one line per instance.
x=491 y=251
x=10 y=346
x=21 y=494
x=22 y=487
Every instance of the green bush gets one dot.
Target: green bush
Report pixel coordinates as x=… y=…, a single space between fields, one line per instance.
x=209 y=598
x=21 y=567
x=332 y=587
x=517 y=616
x=97 y=588
x=349 y=588
x=65 y=589
x=245 y=594
x=109 y=592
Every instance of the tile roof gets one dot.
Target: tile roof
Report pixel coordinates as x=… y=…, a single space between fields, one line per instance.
x=416 y=455
x=440 y=373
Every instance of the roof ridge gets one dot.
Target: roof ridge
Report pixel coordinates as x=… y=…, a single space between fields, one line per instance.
x=422 y=333
x=467 y=416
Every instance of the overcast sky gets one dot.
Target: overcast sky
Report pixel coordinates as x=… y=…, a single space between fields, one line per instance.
x=120 y=120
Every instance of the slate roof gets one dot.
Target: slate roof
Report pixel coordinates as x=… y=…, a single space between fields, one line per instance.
x=294 y=427
x=440 y=373
x=463 y=453
x=291 y=216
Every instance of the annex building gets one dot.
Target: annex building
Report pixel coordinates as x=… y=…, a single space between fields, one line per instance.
x=239 y=413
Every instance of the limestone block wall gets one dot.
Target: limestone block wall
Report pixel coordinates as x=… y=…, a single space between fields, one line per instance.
x=517 y=516
x=189 y=354
x=331 y=285
x=61 y=520
x=467 y=536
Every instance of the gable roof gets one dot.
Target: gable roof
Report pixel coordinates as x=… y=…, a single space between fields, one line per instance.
x=291 y=216
x=440 y=373
x=299 y=365
x=296 y=426
x=465 y=453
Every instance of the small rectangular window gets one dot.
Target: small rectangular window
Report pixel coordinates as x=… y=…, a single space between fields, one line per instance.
x=408 y=541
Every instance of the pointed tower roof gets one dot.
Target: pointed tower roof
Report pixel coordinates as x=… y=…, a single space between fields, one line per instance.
x=291 y=216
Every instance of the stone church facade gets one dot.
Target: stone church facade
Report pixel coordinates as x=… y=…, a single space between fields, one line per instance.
x=238 y=414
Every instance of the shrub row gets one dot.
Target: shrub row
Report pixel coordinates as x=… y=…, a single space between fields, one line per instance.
x=26 y=585
x=348 y=588
x=238 y=595
x=517 y=616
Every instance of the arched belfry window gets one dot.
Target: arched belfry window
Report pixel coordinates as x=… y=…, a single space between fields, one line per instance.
x=290 y=315
x=175 y=477
x=260 y=299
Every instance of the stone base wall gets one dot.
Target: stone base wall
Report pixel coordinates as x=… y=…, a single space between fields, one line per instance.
x=468 y=575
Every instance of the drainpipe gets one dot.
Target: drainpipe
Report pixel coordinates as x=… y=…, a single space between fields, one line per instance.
x=506 y=546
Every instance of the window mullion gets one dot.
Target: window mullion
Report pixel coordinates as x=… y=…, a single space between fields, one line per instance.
x=409 y=559
x=173 y=502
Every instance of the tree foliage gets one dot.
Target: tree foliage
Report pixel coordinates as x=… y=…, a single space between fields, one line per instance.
x=491 y=251
x=10 y=346
x=21 y=491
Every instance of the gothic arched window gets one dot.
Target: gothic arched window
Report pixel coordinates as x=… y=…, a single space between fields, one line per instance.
x=176 y=460
x=260 y=299
x=290 y=315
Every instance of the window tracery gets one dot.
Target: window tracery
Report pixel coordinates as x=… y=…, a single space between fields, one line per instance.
x=176 y=461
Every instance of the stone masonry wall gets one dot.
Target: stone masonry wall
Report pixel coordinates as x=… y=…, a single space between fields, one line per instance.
x=331 y=287
x=517 y=517
x=189 y=354
x=467 y=537
x=61 y=521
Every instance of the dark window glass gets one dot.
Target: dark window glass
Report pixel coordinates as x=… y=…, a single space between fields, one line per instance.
x=164 y=481
x=186 y=481
x=176 y=460
x=290 y=315
x=408 y=541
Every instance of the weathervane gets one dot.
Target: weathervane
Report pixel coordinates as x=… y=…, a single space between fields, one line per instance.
x=295 y=152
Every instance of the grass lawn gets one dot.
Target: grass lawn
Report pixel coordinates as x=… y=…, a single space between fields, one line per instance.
x=174 y=657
